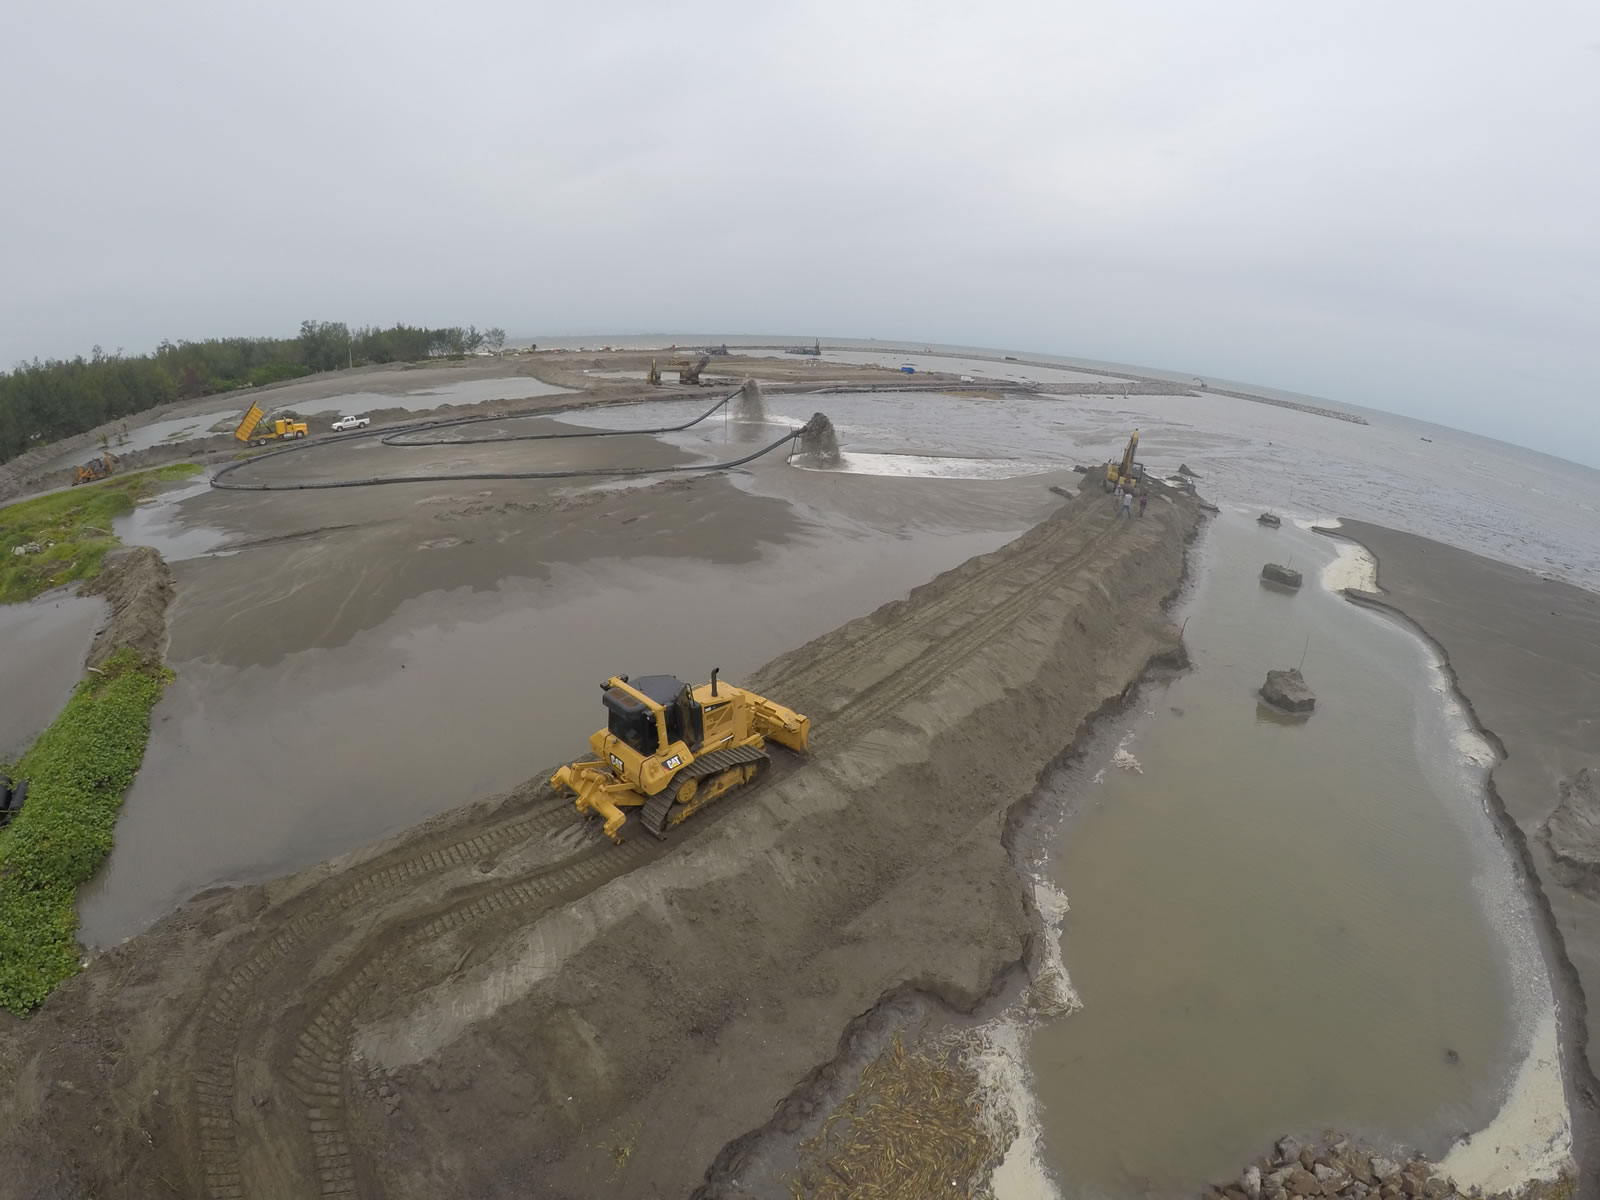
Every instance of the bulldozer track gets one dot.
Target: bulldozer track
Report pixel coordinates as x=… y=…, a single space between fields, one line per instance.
x=654 y=811
x=318 y=1071
x=959 y=597
x=877 y=701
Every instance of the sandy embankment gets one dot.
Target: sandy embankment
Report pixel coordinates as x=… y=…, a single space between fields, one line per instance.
x=1524 y=653
x=381 y=1025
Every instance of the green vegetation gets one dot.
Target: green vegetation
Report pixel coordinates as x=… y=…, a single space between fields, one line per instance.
x=76 y=773
x=42 y=402
x=72 y=530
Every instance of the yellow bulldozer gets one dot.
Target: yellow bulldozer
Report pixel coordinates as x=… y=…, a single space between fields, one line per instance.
x=95 y=468
x=256 y=429
x=1128 y=473
x=669 y=749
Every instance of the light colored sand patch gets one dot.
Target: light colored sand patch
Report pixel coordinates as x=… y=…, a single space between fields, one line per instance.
x=1124 y=758
x=1474 y=747
x=1353 y=568
x=924 y=466
x=1052 y=993
x=1000 y=1059
x=1531 y=1138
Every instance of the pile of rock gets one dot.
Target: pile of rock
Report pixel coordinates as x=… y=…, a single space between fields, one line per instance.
x=1281 y=575
x=1289 y=691
x=1336 y=1167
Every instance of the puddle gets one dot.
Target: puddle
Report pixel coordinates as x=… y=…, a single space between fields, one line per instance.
x=157 y=524
x=45 y=642
x=1279 y=927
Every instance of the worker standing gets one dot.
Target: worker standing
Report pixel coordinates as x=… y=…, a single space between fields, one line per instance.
x=1144 y=498
x=1127 y=505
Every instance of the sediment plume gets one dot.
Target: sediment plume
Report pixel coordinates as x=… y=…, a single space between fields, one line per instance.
x=819 y=445
x=750 y=406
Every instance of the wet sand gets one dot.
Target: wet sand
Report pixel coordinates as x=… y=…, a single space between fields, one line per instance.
x=45 y=642
x=1525 y=653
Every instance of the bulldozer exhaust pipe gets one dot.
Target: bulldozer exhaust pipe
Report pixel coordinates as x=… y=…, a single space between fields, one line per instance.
x=714 y=671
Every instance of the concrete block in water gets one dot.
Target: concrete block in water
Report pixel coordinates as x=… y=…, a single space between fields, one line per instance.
x=1287 y=690
x=1273 y=573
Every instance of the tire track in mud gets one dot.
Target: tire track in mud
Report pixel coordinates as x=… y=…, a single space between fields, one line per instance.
x=318 y=1070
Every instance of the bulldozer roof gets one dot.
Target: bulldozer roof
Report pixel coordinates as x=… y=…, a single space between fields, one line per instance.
x=663 y=689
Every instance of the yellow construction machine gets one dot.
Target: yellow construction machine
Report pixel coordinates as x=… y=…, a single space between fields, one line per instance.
x=1128 y=473
x=254 y=427
x=669 y=749
x=95 y=468
x=688 y=369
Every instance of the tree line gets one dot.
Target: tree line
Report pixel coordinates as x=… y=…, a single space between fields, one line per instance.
x=46 y=400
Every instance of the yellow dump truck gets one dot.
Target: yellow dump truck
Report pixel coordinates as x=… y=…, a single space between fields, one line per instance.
x=255 y=429
x=669 y=749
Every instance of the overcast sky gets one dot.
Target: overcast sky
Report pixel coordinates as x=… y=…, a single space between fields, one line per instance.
x=1387 y=204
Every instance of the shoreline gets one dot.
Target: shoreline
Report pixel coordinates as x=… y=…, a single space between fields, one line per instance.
x=1570 y=1034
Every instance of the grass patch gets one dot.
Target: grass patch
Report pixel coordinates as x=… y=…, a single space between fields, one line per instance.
x=76 y=773
x=72 y=530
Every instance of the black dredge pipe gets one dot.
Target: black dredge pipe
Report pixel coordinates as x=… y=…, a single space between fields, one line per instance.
x=220 y=479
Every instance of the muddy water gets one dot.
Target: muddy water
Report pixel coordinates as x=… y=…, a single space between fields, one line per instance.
x=1279 y=925
x=43 y=642
x=335 y=688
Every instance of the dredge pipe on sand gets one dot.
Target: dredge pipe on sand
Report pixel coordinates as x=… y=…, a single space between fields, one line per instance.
x=221 y=480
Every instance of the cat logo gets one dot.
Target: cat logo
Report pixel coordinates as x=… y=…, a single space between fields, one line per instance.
x=616 y=762
x=673 y=763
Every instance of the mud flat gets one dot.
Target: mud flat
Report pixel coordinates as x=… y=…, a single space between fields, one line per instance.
x=1524 y=653
x=503 y=1004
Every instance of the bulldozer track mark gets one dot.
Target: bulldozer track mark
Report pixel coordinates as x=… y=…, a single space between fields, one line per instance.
x=885 y=696
x=809 y=681
x=318 y=1069
x=221 y=1023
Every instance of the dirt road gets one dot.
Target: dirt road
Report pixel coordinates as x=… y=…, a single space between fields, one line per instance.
x=501 y=1003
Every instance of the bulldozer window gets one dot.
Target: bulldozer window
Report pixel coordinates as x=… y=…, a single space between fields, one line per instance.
x=637 y=729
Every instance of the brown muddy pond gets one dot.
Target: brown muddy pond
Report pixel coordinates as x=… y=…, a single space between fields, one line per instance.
x=1278 y=925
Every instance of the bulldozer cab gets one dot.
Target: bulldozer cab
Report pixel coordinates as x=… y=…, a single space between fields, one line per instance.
x=652 y=712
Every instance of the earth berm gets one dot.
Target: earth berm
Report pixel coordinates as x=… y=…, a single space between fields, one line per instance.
x=500 y=1003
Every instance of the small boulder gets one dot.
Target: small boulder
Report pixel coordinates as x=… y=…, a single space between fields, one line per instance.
x=1281 y=575
x=1252 y=1182
x=1289 y=1149
x=1383 y=1168
x=1287 y=690
x=1304 y=1183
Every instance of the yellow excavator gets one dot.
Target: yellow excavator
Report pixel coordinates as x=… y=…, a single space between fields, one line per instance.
x=688 y=369
x=1128 y=473
x=669 y=749
x=95 y=468
x=254 y=428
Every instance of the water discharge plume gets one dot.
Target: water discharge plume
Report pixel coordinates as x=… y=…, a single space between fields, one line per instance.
x=819 y=445
x=750 y=406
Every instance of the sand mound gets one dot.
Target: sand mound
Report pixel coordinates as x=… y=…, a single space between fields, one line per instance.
x=138 y=585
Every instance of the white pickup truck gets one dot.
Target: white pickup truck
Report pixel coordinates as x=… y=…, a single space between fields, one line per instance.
x=344 y=424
